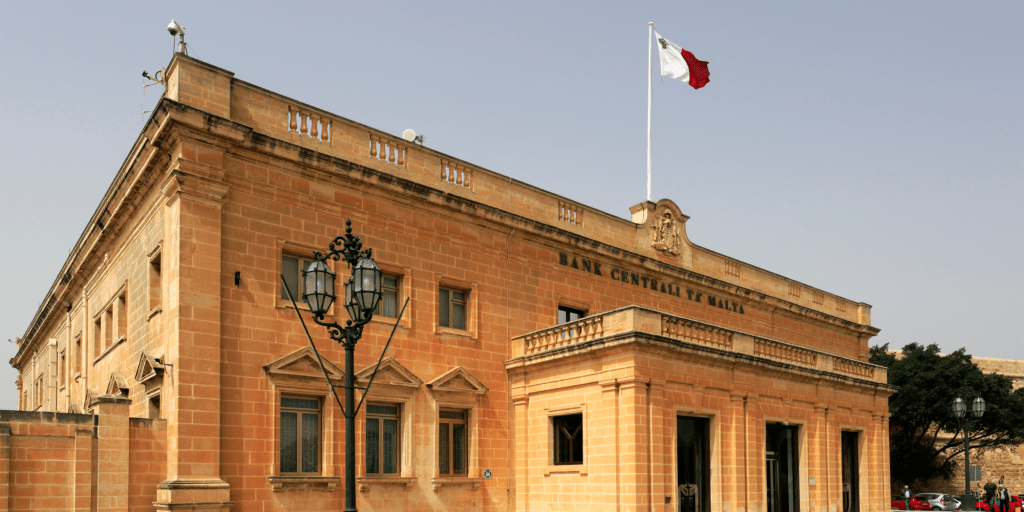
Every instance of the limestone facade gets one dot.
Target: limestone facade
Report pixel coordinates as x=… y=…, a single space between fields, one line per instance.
x=171 y=304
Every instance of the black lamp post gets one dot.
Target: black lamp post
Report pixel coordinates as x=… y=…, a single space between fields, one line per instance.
x=362 y=293
x=977 y=406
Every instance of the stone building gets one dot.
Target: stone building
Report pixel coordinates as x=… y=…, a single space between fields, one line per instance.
x=552 y=356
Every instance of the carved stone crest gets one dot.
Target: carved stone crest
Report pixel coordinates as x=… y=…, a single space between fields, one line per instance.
x=665 y=235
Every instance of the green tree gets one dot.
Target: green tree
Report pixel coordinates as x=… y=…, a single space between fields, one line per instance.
x=922 y=409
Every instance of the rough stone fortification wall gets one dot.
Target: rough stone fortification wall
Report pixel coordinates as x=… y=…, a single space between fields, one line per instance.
x=1006 y=462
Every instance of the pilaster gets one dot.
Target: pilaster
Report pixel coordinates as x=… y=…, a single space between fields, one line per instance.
x=875 y=472
x=193 y=213
x=521 y=406
x=733 y=461
x=52 y=378
x=754 y=456
x=605 y=448
x=660 y=446
x=831 y=461
x=634 y=444
x=816 y=459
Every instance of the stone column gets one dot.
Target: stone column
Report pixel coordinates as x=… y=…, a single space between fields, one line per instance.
x=192 y=386
x=633 y=444
x=111 y=453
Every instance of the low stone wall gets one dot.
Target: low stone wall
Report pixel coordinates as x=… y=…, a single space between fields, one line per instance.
x=81 y=462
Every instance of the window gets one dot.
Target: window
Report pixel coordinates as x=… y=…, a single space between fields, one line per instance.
x=111 y=325
x=291 y=269
x=568 y=439
x=39 y=392
x=154 y=282
x=567 y=314
x=300 y=435
x=452 y=442
x=388 y=305
x=78 y=353
x=121 y=317
x=153 y=406
x=61 y=369
x=382 y=434
x=452 y=308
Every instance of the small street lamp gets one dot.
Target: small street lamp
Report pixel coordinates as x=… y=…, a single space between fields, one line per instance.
x=977 y=405
x=362 y=293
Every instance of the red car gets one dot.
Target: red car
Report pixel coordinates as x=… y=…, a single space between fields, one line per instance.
x=915 y=504
x=1014 y=504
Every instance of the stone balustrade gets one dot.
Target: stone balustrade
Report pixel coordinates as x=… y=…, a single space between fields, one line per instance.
x=853 y=368
x=570 y=213
x=635 y=319
x=314 y=126
x=580 y=331
x=387 y=149
x=696 y=332
x=785 y=353
x=456 y=173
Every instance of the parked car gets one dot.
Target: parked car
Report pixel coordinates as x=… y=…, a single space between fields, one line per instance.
x=938 y=501
x=1015 y=502
x=915 y=504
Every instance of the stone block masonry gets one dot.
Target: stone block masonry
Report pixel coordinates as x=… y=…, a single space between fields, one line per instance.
x=80 y=462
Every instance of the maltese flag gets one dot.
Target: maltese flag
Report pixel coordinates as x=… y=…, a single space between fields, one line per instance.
x=680 y=64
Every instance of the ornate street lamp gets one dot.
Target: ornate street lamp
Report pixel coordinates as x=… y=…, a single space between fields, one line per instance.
x=965 y=422
x=362 y=293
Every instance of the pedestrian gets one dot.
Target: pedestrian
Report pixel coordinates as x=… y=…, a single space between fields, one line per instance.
x=990 y=495
x=906 y=495
x=1002 y=499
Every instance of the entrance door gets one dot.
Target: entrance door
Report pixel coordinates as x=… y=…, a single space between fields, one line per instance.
x=851 y=473
x=782 y=469
x=694 y=464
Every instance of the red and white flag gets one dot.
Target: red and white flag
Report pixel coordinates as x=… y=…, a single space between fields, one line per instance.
x=680 y=64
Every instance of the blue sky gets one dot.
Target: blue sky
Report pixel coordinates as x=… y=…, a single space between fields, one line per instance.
x=871 y=149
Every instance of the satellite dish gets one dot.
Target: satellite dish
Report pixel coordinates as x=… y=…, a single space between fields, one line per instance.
x=409 y=135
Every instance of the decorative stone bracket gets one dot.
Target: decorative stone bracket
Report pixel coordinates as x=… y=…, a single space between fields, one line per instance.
x=364 y=483
x=305 y=483
x=438 y=483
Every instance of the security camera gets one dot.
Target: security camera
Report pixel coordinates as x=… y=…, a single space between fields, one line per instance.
x=174 y=28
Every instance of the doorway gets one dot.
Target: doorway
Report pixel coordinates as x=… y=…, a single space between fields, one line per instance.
x=782 y=469
x=851 y=473
x=692 y=454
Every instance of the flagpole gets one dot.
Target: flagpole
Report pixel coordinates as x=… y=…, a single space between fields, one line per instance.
x=650 y=49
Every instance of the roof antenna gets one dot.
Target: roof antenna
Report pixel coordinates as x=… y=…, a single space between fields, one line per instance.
x=175 y=30
x=157 y=78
